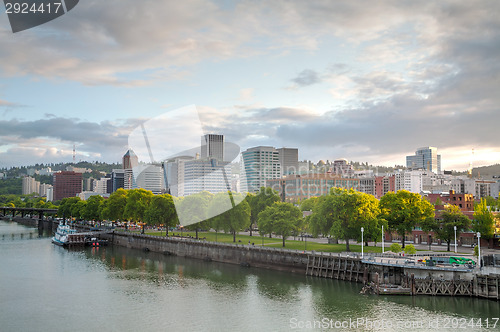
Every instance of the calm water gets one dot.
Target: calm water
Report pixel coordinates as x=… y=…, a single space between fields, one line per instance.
x=47 y=288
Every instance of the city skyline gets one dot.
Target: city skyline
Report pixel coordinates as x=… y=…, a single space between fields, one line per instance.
x=333 y=79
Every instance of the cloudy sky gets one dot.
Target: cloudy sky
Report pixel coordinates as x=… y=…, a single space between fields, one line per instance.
x=364 y=80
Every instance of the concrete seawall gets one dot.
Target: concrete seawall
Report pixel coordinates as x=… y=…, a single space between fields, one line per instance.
x=245 y=255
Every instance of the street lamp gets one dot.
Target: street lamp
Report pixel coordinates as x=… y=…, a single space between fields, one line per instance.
x=455 y=229
x=362 y=243
x=479 y=248
x=382 y=238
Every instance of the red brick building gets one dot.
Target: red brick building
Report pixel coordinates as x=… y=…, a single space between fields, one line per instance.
x=67 y=184
x=384 y=184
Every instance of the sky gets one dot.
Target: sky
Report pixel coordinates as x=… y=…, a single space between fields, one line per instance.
x=363 y=80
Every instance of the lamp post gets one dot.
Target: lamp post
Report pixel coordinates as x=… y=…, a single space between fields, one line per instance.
x=382 y=238
x=479 y=249
x=455 y=229
x=362 y=243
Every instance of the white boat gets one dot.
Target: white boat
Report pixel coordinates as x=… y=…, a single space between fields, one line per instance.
x=65 y=235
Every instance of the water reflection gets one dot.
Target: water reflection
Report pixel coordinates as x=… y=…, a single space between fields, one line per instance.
x=124 y=289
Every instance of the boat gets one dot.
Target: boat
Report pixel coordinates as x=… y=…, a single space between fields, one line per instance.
x=66 y=236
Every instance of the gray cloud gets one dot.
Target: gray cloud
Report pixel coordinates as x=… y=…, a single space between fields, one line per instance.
x=41 y=140
x=307 y=77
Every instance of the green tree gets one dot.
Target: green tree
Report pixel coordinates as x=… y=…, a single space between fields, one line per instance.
x=410 y=249
x=137 y=203
x=282 y=218
x=317 y=223
x=484 y=221
x=65 y=206
x=309 y=204
x=92 y=209
x=266 y=197
x=234 y=219
x=491 y=202
x=395 y=247
x=443 y=225
x=115 y=206
x=404 y=210
x=161 y=210
x=196 y=206
x=348 y=211
x=78 y=209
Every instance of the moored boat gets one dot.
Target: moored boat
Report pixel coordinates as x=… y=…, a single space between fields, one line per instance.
x=65 y=235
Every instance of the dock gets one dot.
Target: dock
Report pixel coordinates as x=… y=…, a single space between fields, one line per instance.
x=401 y=276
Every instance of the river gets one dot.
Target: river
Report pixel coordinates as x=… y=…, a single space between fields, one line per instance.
x=48 y=288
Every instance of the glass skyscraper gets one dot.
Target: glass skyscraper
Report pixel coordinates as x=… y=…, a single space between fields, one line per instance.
x=425 y=158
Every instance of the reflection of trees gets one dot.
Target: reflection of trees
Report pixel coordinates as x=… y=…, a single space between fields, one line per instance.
x=167 y=271
x=335 y=297
x=278 y=285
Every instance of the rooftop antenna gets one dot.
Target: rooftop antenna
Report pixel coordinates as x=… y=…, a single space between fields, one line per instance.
x=74 y=153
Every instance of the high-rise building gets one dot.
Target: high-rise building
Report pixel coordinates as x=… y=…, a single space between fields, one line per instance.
x=117 y=179
x=101 y=186
x=66 y=184
x=212 y=147
x=425 y=158
x=209 y=175
x=30 y=186
x=174 y=171
x=259 y=164
x=289 y=160
x=149 y=177
x=130 y=160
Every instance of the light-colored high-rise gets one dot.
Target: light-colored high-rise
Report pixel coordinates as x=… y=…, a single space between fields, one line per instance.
x=259 y=164
x=425 y=158
x=212 y=147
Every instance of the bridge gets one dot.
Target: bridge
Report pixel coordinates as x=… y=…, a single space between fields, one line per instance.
x=24 y=211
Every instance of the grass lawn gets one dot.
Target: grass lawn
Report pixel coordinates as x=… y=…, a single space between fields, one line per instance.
x=273 y=242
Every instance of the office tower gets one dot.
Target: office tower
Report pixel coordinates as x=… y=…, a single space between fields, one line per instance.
x=66 y=184
x=130 y=160
x=149 y=177
x=289 y=160
x=425 y=158
x=212 y=146
x=259 y=164
x=117 y=179
x=209 y=175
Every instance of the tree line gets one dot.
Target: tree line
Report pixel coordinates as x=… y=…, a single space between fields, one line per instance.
x=341 y=214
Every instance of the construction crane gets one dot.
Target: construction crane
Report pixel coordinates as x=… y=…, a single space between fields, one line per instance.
x=469 y=171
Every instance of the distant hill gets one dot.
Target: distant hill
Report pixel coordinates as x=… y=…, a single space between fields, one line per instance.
x=486 y=171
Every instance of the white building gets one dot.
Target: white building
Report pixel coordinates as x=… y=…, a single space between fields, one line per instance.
x=45 y=171
x=206 y=175
x=101 y=186
x=84 y=195
x=30 y=186
x=44 y=188
x=50 y=194
x=259 y=164
x=149 y=177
